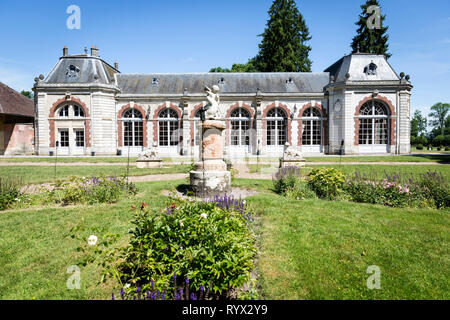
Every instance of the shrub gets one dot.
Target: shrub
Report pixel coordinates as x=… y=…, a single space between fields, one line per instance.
x=433 y=185
x=327 y=183
x=193 y=242
x=419 y=147
x=286 y=178
x=9 y=193
x=91 y=190
x=300 y=191
x=447 y=148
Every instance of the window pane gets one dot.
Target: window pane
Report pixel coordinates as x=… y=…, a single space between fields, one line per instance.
x=64 y=138
x=79 y=138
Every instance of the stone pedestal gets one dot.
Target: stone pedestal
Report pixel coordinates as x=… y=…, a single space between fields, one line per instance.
x=292 y=163
x=210 y=176
x=149 y=163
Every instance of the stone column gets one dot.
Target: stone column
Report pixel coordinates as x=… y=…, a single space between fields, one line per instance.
x=210 y=176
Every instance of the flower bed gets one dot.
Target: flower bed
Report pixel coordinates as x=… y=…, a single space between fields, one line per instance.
x=187 y=249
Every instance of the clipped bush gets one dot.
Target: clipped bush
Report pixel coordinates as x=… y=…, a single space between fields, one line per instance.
x=201 y=244
x=419 y=147
x=328 y=183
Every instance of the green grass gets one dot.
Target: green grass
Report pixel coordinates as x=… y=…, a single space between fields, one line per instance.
x=41 y=174
x=321 y=250
x=308 y=249
x=415 y=158
x=36 y=248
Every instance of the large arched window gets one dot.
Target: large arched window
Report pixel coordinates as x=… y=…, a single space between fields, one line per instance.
x=311 y=127
x=276 y=127
x=373 y=123
x=240 y=127
x=168 y=128
x=133 y=132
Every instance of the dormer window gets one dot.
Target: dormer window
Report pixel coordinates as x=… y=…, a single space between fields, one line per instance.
x=371 y=69
x=221 y=81
x=289 y=81
x=155 y=81
x=72 y=71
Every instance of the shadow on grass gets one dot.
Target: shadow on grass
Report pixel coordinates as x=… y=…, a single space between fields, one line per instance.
x=440 y=158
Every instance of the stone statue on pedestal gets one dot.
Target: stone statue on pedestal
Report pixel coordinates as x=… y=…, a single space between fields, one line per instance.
x=212 y=108
x=210 y=176
x=291 y=153
x=149 y=158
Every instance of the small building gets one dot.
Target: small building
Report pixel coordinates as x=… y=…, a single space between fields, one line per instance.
x=359 y=105
x=16 y=122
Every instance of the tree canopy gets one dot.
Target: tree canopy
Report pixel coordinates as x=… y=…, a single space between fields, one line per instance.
x=371 y=35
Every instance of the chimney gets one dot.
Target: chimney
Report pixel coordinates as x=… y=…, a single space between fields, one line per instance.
x=94 y=51
x=65 y=51
x=116 y=65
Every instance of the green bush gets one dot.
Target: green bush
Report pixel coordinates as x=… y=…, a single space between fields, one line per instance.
x=9 y=193
x=300 y=190
x=447 y=148
x=419 y=147
x=328 y=183
x=193 y=240
x=286 y=178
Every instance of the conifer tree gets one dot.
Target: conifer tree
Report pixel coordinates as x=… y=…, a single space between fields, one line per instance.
x=371 y=34
x=283 y=47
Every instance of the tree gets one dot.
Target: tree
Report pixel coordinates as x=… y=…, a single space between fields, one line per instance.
x=371 y=34
x=283 y=47
x=439 y=117
x=27 y=94
x=418 y=124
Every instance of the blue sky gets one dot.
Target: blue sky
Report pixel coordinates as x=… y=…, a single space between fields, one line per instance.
x=193 y=36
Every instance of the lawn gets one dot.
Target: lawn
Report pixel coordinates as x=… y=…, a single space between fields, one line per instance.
x=308 y=250
x=40 y=174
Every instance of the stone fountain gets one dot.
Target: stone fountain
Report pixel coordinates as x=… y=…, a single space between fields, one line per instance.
x=210 y=176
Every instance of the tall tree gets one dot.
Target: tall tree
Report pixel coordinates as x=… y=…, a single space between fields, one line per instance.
x=418 y=124
x=439 y=116
x=27 y=94
x=371 y=34
x=283 y=47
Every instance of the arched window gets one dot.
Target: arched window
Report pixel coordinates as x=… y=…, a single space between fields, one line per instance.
x=311 y=127
x=240 y=127
x=168 y=128
x=373 y=123
x=64 y=112
x=276 y=127
x=78 y=112
x=133 y=129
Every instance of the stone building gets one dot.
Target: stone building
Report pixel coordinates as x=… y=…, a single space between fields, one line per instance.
x=16 y=122
x=359 y=105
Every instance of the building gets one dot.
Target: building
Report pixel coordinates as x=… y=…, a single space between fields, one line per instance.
x=359 y=105
x=16 y=122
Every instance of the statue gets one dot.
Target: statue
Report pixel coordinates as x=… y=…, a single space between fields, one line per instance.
x=212 y=108
x=150 y=154
x=290 y=153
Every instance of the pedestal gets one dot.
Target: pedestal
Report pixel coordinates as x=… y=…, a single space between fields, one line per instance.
x=148 y=164
x=292 y=163
x=210 y=176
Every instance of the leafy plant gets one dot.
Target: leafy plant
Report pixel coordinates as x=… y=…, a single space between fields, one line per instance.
x=328 y=183
x=193 y=240
x=9 y=193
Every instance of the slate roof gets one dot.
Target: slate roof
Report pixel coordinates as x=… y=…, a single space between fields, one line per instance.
x=84 y=69
x=228 y=82
x=355 y=64
x=14 y=103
